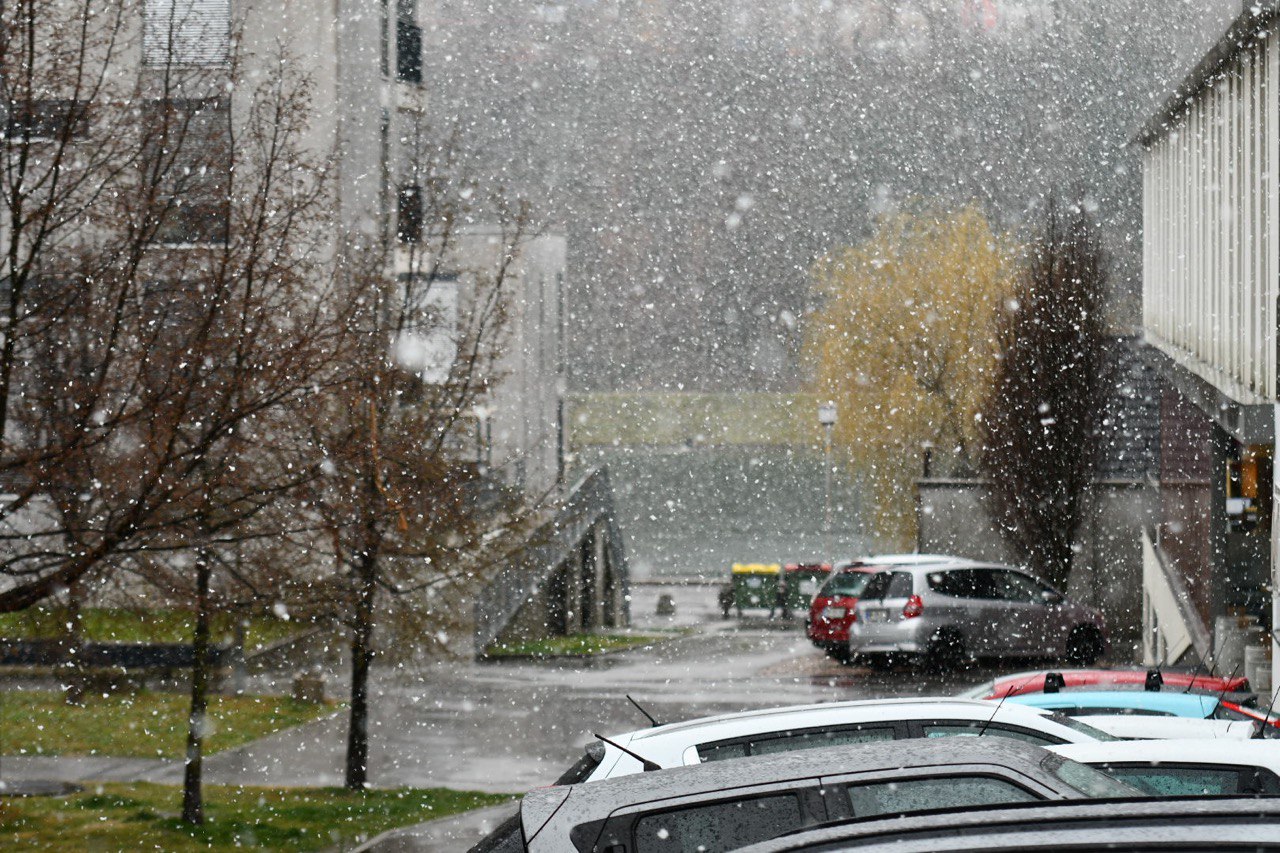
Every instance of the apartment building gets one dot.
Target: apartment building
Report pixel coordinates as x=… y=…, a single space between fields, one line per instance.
x=1211 y=272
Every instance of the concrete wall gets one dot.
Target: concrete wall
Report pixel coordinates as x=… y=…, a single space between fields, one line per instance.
x=522 y=410
x=1108 y=569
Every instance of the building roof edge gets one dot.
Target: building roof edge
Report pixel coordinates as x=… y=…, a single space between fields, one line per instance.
x=1252 y=23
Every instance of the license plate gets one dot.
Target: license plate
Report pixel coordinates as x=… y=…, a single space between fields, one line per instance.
x=877 y=615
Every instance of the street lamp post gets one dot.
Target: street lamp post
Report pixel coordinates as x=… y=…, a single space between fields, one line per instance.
x=827 y=417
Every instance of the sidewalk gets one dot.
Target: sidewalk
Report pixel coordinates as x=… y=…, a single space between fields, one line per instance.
x=455 y=834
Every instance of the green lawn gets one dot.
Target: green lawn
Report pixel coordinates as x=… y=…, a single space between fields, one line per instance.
x=674 y=419
x=141 y=725
x=103 y=625
x=144 y=816
x=576 y=644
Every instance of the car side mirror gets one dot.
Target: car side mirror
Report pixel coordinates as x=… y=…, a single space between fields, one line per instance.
x=1051 y=597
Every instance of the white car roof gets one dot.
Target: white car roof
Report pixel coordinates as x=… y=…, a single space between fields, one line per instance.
x=667 y=745
x=1265 y=753
x=1150 y=727
x=904 y=559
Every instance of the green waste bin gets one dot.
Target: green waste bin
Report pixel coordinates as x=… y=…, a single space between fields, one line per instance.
x=755 y=585
x=803 y=582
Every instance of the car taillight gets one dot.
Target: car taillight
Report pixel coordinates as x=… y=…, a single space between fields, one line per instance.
x=913 y=608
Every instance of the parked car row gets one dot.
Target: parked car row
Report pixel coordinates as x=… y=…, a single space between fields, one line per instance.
x=842 y=774
x=940 y=611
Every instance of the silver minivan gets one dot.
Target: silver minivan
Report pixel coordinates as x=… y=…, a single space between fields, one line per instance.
x=946 y=614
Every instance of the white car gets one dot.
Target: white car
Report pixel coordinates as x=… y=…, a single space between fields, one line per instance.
x=1149 y=727
x=1184 y=767
x=795 y=727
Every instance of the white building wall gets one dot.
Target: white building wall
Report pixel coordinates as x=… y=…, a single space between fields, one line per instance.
x=1211 y=213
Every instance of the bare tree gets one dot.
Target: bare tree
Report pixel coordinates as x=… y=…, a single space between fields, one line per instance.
x=1042 y=438
x=404 y=509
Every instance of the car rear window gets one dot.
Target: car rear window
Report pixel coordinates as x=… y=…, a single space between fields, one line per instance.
x=1173 y=780
x=888 y=585
x=583 y=767
x=846 y=583
x=721 y=826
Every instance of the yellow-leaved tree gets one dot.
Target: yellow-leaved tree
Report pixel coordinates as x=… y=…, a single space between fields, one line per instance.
x=904 y=343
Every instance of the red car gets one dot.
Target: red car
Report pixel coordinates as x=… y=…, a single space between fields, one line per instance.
x=1034 y=682
x=832 y=610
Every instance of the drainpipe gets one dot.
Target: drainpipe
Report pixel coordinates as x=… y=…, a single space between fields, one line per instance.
x=1275 y=560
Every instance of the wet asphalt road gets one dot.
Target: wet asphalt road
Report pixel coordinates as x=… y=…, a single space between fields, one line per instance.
x=511 y=726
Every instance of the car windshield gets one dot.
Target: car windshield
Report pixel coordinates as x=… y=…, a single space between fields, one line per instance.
x=1088 y=781
x=845 y=583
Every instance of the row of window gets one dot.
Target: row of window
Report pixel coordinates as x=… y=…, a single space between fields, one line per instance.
x=987 y=584
x=198 y=33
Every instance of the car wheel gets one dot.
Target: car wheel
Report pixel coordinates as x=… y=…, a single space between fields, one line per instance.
x=945 y=652
x=1084 y=645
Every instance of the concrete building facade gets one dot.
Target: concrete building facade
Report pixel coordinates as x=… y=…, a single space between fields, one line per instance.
x=1211 y=280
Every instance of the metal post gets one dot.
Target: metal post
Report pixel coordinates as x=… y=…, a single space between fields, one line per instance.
x=827 y=417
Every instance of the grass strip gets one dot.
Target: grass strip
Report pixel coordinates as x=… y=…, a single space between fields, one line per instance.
x=116 y=625
x=138 y=725
x=142 y=816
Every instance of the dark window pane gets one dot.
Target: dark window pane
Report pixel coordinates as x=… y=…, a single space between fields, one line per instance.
x=913 y=795
x=1167 y=781
x=899 y=585
x=718 y=826
x=722 y=751
x=962 y=583
x=47 y=119
x=409 y=221
x=846 y=583
x=814 y=739
x=408 y=52
x=188 y=154
x=877 y=586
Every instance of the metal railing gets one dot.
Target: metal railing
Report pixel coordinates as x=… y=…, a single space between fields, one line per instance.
x=521 y=578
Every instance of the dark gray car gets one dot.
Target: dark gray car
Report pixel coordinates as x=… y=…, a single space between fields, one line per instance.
x=721 y=806
x=945 y=613
x=1175 y=823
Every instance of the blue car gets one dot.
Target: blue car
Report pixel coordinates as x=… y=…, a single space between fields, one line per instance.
x=1098 y=702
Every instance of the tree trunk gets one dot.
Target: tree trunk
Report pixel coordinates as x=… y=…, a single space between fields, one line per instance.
x=357 y=775
x=192 y=793
x=76 y=677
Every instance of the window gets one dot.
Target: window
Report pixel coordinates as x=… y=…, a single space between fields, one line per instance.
x=980 y=728
x=408 y=43
x=186 y=32
x=1173 y=780
x=1017 y=587
x=899 y=585
x=428 y=341
x=846 y=583
x=189 y=154
x=1087 y=780
x=409 y=214
x=771 y=744
x=51 y=119
x=914 y=795
x=962 y=583
x=718 y=826
x=888 y=585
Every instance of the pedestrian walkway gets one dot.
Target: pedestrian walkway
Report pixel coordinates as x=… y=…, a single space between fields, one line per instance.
x=455 y=834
